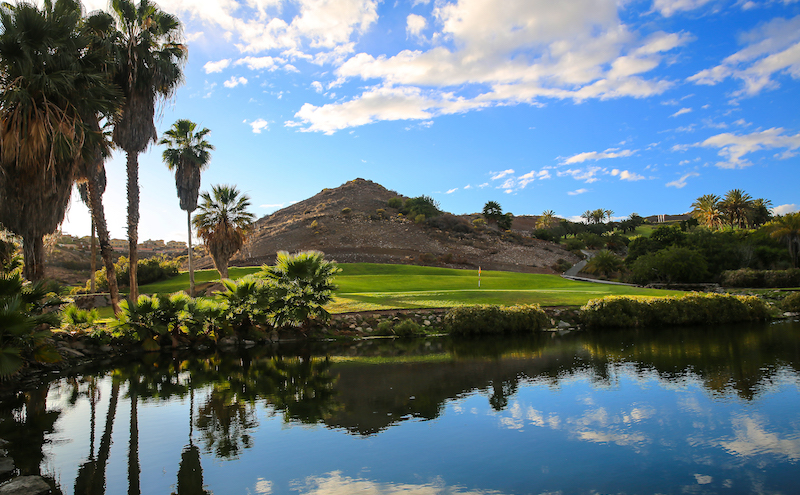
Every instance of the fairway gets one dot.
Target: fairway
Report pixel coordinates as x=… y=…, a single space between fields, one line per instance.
x=370 y=287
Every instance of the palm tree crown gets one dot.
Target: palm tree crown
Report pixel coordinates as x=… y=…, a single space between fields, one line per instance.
x=706 y=209
x=222 y=223
x=188 y=154
x=787 y=229
x=736 y=205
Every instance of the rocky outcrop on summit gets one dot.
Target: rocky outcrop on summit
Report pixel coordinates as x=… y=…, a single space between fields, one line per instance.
x=353 y=223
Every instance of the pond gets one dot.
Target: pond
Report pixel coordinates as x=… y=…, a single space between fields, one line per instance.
x=693 y=410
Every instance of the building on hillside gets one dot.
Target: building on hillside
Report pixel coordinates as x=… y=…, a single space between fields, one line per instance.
x=176 y=245
x=152 y=244
x=119 y=244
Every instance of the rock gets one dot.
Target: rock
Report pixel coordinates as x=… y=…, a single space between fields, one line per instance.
x=106 y=348
x=6 y=467
x=274 y=337
x=25 y=485
x=228 y=341
x=79 y=345
x=359 y=329
x=563 y=324
x=4 y=443
x=427 y=323
x=248 y=343
x=73 y=353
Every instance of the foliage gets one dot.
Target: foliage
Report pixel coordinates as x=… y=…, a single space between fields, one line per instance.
x=408 y=328
x=574 y=244
x=690 y=309
x=222 y=223
x=604 y=263
x=74 y=318
x=562 y=265
x=544 y=234
x=152 y=317
x=787 y=229
x=505 y=221
x=591 y=241
x=395 y=202
x=791 y=302
x=706 y=209
x=346 y=211
x=490 y=319
x=450 y=222
x=747 y=277
x=25 y=315
x=478 y=223
x=246 y=303
x=150 y=270
x=421 y=205
x=492 y=211
x=674 y=264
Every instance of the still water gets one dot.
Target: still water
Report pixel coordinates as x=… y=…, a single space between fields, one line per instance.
x=671 y=411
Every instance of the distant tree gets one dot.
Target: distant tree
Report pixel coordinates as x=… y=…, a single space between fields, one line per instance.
x=706 y=209
x=737 y=204
x=787 y=229
x=608 y=214
x=421 y=205
x=587 y=215
x=604 y=263
x=505 y=221
x=188 y=154
x=547 y=220
x=222 y=223
x=492 y=211
x=760 y=213
x=675 y=264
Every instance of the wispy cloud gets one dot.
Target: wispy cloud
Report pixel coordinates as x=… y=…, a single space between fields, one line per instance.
x=627 y=175
x=235 y=81
x=681 y=183
x=681 y=112
x=500 y=175
x=598 y=155
x=577 y=191
x=259 y=125
x=451 y=191
x=734 y=147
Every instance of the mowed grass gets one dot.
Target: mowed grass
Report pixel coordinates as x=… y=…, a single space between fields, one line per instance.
x=370 y=287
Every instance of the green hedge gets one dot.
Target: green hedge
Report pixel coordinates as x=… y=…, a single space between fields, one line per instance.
x=690 y=309
x=490 y=319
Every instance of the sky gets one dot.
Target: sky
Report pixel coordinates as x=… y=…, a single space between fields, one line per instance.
x=632 y=106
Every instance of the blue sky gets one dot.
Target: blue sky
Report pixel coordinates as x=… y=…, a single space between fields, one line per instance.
x=632 y=106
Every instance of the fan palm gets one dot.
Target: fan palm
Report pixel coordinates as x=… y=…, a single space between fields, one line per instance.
x=188 y=155
x=737 y=204
x=222 y=223
x=49 y=80
x=787 y=228
x=149 y=67
x=706 y=209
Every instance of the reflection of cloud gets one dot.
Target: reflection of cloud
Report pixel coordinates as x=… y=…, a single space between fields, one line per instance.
x=263 y=487
x=334 y=483
x=752 y=438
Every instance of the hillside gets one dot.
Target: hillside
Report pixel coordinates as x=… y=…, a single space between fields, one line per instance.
x=363 y=234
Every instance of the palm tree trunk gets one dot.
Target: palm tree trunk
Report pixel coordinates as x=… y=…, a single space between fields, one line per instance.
x=99 y=221
x=134 y=487
x=94 y=260
x=33 y=254
x=133 y=222
x=191 y=268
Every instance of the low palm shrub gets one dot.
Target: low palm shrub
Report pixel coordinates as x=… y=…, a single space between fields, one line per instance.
x=689 y=309
x=492 y=319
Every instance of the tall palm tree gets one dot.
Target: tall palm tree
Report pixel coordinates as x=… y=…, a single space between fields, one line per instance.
x=587 y=215
x=546 y=220
x=737 y=204
x=188 y=155
x=608 y=214
x=787 y=228
x=222 y=223
x=49 y=80
x=760 y=213
x=149 y=67
x=706 y=209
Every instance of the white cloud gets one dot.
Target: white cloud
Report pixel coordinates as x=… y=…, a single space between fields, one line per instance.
x=270 y=206
x=681 y=112
x=595 y=155
x=317 y=86
x=259 y=125
x=415 y=24
x=451 y=191
x=626 y=175
x=681 y=183
x=772 y=48
x=668 y=8
x=500 y=175
x=235 y=81
x=577 y=191
x=588 y=174
x=784 y=209
x=733 y=147
x=218 y=66
x=257 y=63
x=468 y=186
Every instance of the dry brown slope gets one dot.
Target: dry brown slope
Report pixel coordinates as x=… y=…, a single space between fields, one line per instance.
x=363 y=235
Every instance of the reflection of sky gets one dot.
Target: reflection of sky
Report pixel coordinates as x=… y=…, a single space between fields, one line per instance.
x=337 y=484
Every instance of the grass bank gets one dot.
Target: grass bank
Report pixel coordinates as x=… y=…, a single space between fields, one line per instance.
x=372 y=287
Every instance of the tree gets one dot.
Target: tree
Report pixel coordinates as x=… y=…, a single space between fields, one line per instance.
x=706 y=209
x=49 y=81
x=760 y=213
x=150 y=57
x=492 y=211
x=604 y=263
x=787 y=229
x=736 y=205
x=188 y=155
x=222 y=223
x=546 y=220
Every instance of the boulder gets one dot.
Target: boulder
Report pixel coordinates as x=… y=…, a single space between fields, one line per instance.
x=25 y=485
x=6 y=467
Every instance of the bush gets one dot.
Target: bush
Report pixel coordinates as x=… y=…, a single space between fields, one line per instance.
x=346 y=211
x=479 y=223
x=747 y=277
x=674 y=264
x=562 y=265
x=689 y=309
x=408 y=328
x=395 y=203
x=574 y=244
x=74 y=318
x=419 y=218
x=380 y=212
x=491 y=319
x=449 y=222
x=791 y=302
x=149 y=270
x=421 y=205
x=543 y=234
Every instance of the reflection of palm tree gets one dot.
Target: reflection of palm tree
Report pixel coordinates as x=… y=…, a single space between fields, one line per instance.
x=91 y=479
x=225 y=420
x=190 y=470
x=133 y=443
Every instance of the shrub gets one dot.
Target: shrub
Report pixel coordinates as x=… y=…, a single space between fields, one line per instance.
x=604 y=263
x=346 y=211
x=380 y=212
x=690 y=309
x=543 y=234
x=478 y=223
x=421 y=205
x=419 y=218
x=491 y=319
x=562 y=265
x=574 y=244
x=395 y=203
x=314 y=225
x=449 y=222
x=674 y=264
x=427 y=258
x=791 y=302
x=149 y=270
x=408 y=328
x=74 y=318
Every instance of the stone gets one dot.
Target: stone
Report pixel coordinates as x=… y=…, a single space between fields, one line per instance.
x=106 y=348
x=427 y=323
x=563 y=324
x=248 y=343
x=25 y=485
x=228 y=341
x=6 y=467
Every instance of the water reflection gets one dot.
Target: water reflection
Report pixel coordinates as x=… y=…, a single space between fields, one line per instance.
x=365 y=389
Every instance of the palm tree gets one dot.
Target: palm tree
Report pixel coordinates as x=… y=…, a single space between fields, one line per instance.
x=608 y=214
x=222 y=223
x=605 y=263
x=587 y=215
x=188 y=155
x=148 y=68
x=546 y=220
x=737 y=204
x=706 y=209
x=49 y=80
x=760 y=213
x=787 y=228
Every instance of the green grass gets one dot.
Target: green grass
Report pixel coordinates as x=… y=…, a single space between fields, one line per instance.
x=370 y=287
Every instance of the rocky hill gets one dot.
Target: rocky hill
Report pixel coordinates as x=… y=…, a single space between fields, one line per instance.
x=353 y=223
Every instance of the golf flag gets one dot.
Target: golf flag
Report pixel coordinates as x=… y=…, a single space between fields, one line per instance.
x=479 y=277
